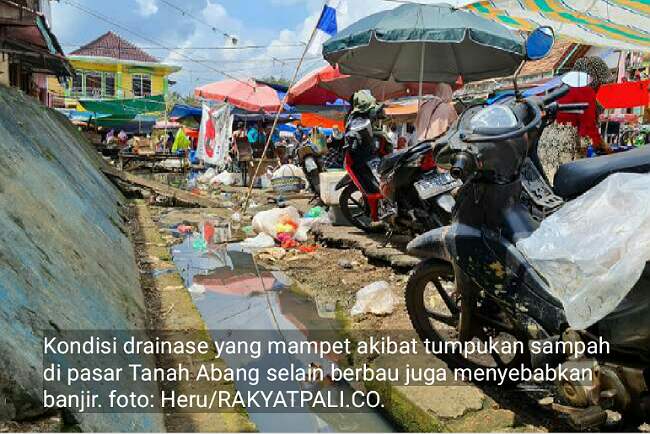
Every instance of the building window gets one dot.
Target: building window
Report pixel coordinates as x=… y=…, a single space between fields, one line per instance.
x=77 y=84
x=93 y=85
x=109 y=85
x=141 y=85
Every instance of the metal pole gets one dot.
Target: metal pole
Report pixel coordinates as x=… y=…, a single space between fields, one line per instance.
x=421 y=73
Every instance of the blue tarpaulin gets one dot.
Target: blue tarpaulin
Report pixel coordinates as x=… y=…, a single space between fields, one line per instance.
x=183 y=111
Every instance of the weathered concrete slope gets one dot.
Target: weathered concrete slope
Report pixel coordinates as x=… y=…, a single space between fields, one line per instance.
x=65 y=260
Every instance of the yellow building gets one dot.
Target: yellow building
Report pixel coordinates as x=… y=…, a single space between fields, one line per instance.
x=112 y=67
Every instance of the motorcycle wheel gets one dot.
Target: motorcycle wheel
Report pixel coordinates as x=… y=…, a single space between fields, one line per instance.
x=355 y=209
x=438 y=314
x=314 y=181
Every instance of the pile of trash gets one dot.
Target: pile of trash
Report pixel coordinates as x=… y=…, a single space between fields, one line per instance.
x=212 y=178
x=284 y=227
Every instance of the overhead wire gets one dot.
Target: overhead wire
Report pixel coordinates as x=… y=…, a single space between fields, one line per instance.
x=206 y=48
x=233 y=38
x=101 y=17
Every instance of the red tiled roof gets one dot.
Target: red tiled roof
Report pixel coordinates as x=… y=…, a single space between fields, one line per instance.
x=113 y=46
x=560 y=52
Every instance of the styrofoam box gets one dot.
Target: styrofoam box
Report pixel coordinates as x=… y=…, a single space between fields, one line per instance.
x=328 y=181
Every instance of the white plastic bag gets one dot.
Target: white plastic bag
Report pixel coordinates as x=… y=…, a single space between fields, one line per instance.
x=225 y=178
x=594 y=249
x=376 y=298
x=266 y=221
x=206 y=176
x=197 y=289
x=288 y=170
x=306 y=224
x=262 y=241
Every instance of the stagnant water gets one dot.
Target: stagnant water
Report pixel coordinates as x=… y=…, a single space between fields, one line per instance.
x=238 y=295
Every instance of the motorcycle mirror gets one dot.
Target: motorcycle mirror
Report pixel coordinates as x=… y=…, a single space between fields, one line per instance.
x=577 y=79
x=539 y=43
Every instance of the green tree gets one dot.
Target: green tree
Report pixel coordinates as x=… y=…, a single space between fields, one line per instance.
x=174 y=98
x=281 y=81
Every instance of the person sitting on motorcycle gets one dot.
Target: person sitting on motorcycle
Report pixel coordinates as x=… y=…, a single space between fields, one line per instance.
x=299 y=133
x=560 y=142
x=362 y=150
x=587 y=122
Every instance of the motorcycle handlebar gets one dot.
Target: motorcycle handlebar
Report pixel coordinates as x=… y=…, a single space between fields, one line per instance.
x=463 y=165
x=573 y=106
x=556 y=94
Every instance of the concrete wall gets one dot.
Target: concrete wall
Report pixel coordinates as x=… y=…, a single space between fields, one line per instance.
x=65 y=260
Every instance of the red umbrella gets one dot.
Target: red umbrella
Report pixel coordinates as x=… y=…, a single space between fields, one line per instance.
x=327 y=84
x=248 y=95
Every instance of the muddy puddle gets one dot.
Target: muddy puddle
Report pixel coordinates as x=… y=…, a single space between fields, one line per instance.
x=233 y=294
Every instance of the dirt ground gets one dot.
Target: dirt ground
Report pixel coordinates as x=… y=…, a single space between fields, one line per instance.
x=47 y=424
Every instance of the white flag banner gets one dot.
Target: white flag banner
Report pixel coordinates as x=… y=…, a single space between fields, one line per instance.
x=215 y=133
x=328 y=23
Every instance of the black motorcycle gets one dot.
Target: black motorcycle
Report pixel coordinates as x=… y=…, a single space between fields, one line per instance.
x=311 y=163
x=403 y=189
x=416 y=193
x=474 y=284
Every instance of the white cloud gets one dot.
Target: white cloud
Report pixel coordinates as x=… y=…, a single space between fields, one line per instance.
x=147 y=7
x=205 y=64
x=260 y=63
x=65 y=22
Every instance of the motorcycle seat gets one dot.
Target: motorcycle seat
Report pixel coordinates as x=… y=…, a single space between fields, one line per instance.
x=573 y=179
x=389 y=162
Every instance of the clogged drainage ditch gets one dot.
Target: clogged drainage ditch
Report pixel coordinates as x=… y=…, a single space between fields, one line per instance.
x=233 y=293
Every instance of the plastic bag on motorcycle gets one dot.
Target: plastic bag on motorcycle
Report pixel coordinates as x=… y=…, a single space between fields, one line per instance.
x=594 y=249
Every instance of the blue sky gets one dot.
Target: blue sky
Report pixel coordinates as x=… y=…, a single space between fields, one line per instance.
x=278 y=25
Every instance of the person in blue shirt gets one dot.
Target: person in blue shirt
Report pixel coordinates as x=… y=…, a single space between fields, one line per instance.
x=253 y=135
x=275 y=137
x=299 y=133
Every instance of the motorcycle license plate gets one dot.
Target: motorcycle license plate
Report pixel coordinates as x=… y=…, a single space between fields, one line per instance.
x=310 y=165
x=435 y=185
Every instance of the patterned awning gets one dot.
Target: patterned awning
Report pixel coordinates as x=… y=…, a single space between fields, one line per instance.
x=623 y=24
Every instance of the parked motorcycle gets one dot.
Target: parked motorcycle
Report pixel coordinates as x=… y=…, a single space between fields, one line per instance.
x=474 y=285
x=311 y=163
x=402 y=189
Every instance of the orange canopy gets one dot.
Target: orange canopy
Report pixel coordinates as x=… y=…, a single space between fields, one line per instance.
x=191 y=133
x=310 y=120
x=402 y=110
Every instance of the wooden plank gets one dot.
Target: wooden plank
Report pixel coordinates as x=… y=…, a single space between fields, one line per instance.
x=180 y=196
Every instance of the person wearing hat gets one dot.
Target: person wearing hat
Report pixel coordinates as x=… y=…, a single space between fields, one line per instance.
x=364 y=106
